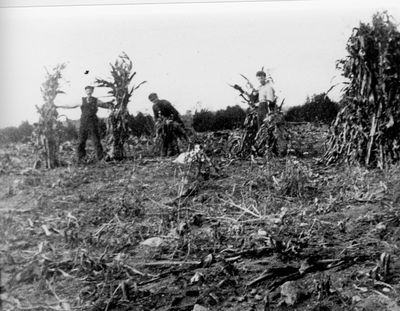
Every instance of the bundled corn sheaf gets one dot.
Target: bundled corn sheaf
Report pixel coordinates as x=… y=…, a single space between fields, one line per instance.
x=117 y=127
x=367 y=128
x=242 y=146
x=168 y=130
x=165 y=128
x=46 y=133
x=270 y=138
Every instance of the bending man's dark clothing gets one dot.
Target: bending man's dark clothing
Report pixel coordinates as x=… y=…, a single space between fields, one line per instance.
x=169 y=126
x=169 y=139
x=89 y=125
x=163 y=108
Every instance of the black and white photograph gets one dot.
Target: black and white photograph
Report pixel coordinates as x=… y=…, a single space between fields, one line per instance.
x=200 y=155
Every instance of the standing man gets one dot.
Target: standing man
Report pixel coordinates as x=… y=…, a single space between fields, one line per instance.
x=266 y=97
x=89 y=123
x=169 y=125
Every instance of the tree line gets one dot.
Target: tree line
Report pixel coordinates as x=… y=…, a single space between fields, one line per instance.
x=139 y=125
x=317 y=108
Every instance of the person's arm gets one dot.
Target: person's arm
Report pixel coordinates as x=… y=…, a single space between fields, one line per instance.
x=156 y=112
x=105 y=105
x=270 y=98
x=172 y=112
x=273 y=94
x=67 y=107
x=270 y=93
x=177 y=117
x=252 y=95
x=252 y=90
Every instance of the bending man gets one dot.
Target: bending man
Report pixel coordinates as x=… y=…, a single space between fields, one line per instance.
x=169 y=125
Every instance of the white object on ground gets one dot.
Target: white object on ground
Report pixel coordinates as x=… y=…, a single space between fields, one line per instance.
x=187 y=157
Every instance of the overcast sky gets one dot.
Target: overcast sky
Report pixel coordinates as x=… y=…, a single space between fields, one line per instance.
x=188 y=53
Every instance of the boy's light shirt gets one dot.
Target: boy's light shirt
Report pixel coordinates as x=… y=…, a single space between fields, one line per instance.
x=266 y=93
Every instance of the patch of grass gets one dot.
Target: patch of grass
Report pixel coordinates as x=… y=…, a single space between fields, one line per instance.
x=292 y=180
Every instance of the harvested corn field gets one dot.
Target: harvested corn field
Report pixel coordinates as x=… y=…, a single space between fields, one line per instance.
x=151 y=234
x=261 y=211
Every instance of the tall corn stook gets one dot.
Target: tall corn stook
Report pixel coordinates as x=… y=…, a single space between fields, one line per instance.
x=119 y=85
x=367 y=128
x=45 y=135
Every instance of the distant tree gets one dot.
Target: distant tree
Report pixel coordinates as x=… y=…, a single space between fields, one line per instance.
x=203 y=120
x=25 y=131
x=318 y=108
x=68 y=131
x=141 y=125
x=223 y=119
x=294 y=114
x=220 y=121
x=187 y=119
x=13 y=134
x=9 y=134
x=235 y=117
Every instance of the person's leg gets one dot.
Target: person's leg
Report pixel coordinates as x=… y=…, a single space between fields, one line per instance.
x=163 y=136
x=167 y=139
x=96 y=139
x=82 y=137
x=164 y=147
x=262 y=113
x=271 y=106
x=176 y=130
x=173 y=147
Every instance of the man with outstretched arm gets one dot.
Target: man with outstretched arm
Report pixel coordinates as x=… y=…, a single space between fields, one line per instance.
x=89 y=123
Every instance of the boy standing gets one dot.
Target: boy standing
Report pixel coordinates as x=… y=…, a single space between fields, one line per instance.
x=89 y=123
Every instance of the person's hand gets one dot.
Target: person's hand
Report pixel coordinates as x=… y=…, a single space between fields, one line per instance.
x=250 y=86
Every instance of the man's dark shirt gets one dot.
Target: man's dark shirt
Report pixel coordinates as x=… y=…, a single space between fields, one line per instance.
x=165 y=109
x=89 y=108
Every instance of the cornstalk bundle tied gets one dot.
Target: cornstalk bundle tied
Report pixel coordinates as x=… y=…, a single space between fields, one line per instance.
x=270 y=138
x=367 y=128
x=119 y=85
x=45 y=135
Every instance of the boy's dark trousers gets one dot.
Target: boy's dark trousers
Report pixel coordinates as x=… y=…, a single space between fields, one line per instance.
x=261 y=113
x=89 y=126
x=169 y=141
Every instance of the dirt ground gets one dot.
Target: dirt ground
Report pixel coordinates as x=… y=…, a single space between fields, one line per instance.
x=149 y=234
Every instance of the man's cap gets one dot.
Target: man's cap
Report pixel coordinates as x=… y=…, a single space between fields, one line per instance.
x=89 y=87
x=261 y=73
x=153 y=96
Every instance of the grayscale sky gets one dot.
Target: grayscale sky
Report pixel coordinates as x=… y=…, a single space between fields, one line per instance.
x=188 y=53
